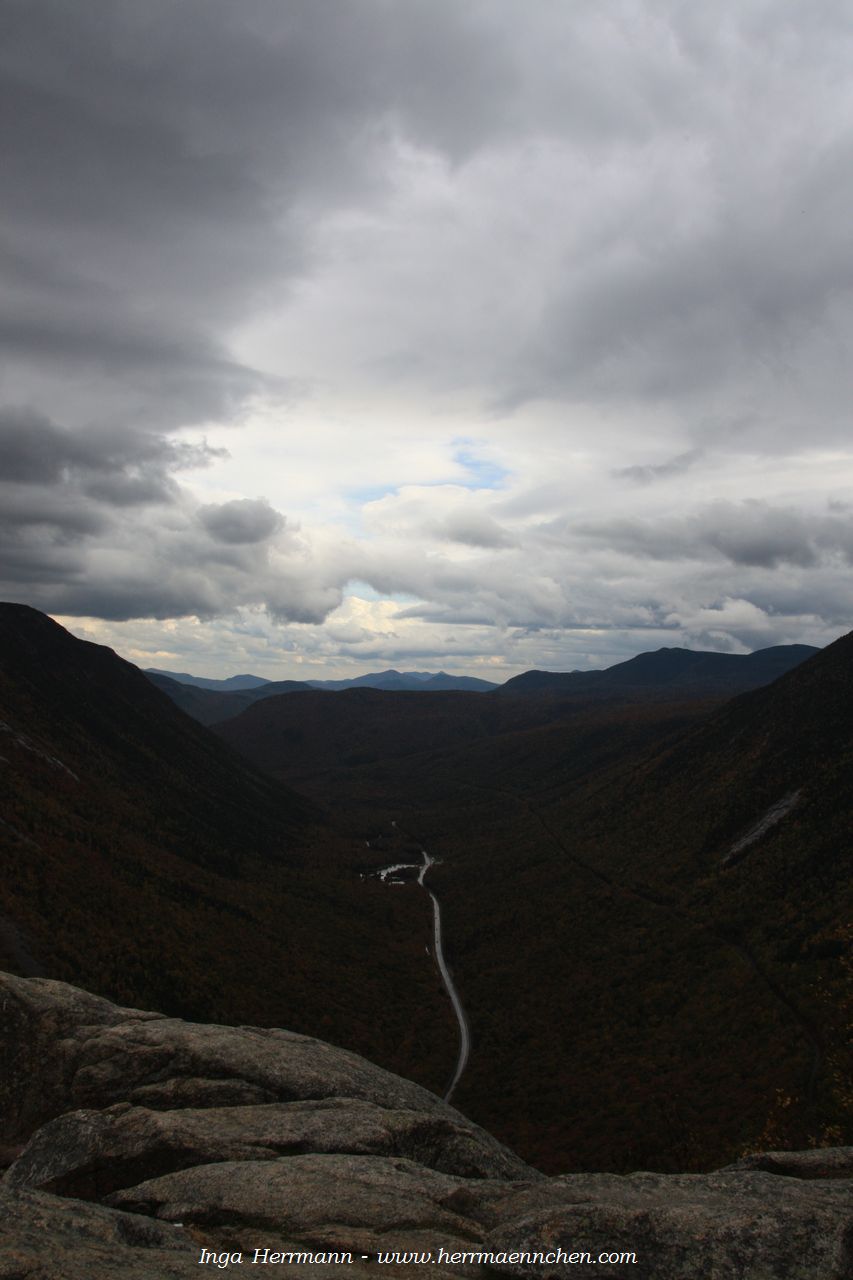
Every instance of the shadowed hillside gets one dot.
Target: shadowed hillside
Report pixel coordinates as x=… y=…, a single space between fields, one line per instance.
x=144 y=858
x=208 y=705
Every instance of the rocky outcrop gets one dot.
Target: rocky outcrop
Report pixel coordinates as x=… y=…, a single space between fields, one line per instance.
x=753 y=1226
x=93 y=1153
x=139 y=1145
x=43 y=1237
x=835 y=1162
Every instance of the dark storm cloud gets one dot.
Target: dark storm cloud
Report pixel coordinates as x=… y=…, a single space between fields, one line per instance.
x=110 y=465
x=748 y=533
x=85 y=561
x=94 y=522
x=241 y=521
x=32 y=449
x=162 y=162
x=95 y=519
x=62 y=514
x=649 y=472
x=135 y=227
x=175 y=377
x=750 y=302
x=165 y=164
x=474 y=529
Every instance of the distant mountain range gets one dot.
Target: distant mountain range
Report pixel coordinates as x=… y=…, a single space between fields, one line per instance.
x=697 y=671
x=212 y=701
x=233 y=684
x=409 y=682
x=403 y=681
x=665 y=671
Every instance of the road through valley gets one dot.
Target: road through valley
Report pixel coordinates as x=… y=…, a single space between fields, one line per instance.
x=458 y=1009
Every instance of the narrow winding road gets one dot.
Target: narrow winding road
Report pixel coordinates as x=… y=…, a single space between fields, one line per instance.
x=385 y=875
x=458 y=1009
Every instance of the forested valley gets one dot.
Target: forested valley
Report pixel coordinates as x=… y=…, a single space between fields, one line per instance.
x=646 y=893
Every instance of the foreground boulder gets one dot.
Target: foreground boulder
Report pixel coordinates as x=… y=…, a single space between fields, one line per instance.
x=140 y=1146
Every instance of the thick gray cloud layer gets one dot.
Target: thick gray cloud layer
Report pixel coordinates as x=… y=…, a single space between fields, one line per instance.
x=611 y=243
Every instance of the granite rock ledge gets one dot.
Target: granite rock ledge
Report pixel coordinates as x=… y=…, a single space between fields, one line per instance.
x=131 y=1141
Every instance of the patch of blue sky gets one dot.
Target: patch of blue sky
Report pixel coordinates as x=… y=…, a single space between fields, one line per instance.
x=370 y=493
x=483 y=473
x=364 y=591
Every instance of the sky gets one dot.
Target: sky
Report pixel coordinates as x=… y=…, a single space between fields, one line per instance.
x=423 y=334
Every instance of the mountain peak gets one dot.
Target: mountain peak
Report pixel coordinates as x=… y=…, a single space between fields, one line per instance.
x=676 y=668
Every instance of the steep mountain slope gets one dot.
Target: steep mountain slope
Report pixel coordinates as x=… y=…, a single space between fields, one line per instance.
x=646 y=905
x=143 y=857
x=209 y=706
x=685 y=988
x=112 y=724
